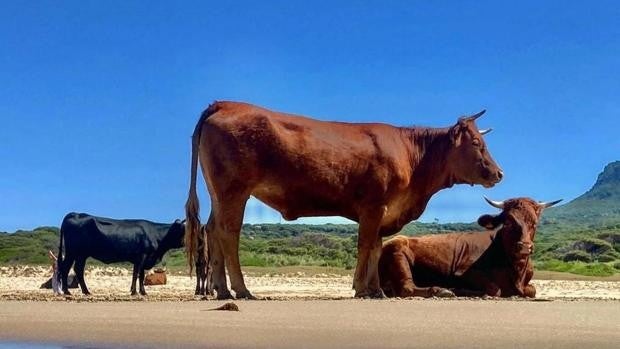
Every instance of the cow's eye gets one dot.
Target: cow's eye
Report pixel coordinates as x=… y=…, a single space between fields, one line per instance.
x=476 y=143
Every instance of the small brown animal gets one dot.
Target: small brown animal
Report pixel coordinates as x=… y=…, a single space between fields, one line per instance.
x=227 y=306
x=158 y=277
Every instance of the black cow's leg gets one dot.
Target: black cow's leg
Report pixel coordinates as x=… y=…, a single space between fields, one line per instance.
x=142 y=290
x=200 y=264
x=65 y=266
x=134 y=276
x=80 y=263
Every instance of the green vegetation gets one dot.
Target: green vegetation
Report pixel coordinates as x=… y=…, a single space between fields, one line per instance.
x=581 y=237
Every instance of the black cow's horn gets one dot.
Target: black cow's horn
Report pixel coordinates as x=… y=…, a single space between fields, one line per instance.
x=548 y=204
x=483 y=132
x=477 y=115
x=496 y=204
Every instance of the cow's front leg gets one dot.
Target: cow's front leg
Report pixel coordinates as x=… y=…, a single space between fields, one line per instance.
x=134 y=277
x=373 y=270
x=367 y=256
x=80 y=264
x=142 y=290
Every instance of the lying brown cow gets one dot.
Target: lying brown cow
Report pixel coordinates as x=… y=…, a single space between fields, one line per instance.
x=495 y=263
x=157 y=277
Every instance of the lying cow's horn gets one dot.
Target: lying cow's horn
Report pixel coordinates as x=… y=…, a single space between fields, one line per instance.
x=483 y=132
x=477 y=115
x=496 y=204
x=548 y=204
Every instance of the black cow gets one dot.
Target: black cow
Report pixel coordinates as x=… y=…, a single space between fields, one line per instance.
x=140 y=242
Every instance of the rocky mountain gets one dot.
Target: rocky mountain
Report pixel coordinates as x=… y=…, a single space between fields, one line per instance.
x=598 y=207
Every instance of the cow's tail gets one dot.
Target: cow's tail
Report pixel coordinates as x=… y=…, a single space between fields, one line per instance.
x=192 y=206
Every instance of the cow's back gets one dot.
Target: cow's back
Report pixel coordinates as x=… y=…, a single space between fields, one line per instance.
x=301 y=166
x=441 y=259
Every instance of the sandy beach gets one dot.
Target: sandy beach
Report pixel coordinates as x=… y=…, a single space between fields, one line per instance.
x=299 y=311
x=112 y=284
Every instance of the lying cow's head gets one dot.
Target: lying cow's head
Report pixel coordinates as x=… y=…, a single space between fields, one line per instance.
x=519 y=219
x=469 y=160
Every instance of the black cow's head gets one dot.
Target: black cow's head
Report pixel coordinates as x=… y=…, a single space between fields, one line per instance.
x=176 y=234
x=519 y=218
x=468 y=158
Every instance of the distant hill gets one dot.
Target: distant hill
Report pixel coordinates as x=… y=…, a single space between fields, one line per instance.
x=598 y=207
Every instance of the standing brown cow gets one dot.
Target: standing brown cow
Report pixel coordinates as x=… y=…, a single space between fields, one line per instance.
x=378 y=175
x=495 y=263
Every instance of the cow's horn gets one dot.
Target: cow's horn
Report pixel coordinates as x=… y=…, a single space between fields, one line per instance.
x=483 y=132
x=477 y=115
x=496 y=204
x=548 y=204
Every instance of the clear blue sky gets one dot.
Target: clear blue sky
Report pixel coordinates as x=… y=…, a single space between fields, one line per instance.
x=98 y=98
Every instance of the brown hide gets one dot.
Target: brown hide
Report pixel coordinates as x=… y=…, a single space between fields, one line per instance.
x=156 y=278
x=376 y=174
x=495 y=263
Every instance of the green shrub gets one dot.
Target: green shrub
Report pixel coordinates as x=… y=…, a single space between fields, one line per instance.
x=577 y=267
x=606 y=258
x=577 y=255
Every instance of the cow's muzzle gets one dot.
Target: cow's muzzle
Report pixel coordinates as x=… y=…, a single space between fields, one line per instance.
x=525 y=248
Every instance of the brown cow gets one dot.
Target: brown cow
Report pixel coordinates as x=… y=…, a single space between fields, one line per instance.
x=376 y=174
x=157 y=277
x=495 y=263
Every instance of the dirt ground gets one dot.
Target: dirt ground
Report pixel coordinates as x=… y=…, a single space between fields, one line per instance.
x=112 y=283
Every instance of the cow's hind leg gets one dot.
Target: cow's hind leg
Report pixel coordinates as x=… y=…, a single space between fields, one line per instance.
x=217 y=261
x=228 y=221
x=397 y=264
x=80 y=264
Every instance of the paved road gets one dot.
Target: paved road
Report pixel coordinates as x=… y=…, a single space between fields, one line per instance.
x=318 y=324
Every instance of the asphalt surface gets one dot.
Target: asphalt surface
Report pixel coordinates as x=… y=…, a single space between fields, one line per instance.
x=316 y=324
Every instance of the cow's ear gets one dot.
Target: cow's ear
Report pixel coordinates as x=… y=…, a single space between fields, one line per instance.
x=456 y=132
x=489 y=221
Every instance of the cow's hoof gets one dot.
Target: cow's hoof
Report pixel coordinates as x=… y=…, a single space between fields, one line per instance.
x=134 y=293
x=362 y=294
x=378 y=294
x=245 y=295
x=444 y=293
x=143 y=293
x=368 y=294
x=223 y=295
x=67 y=293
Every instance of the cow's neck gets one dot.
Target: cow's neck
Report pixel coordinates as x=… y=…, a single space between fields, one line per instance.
x=517 y=265
x=429 y=164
